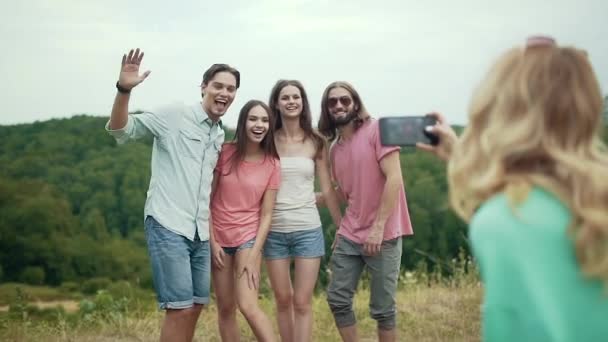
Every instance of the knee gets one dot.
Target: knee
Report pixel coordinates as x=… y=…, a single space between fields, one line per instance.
x=284 y=300
x=247 y=307
x=302 y=305
x=337 y=302
x=226 y=310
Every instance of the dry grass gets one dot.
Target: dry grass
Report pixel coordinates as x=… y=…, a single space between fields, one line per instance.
x=437 y=313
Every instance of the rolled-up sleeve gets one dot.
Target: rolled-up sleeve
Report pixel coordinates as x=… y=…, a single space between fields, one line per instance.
x=139 y=126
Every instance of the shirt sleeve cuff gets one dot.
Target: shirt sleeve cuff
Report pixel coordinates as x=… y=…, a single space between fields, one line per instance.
x=387 y=150
x=121 y=134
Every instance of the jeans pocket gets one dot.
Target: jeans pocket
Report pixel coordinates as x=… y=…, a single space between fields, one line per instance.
x=151 y=223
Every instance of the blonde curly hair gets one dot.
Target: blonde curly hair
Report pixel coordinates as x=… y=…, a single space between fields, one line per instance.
x=536 y=120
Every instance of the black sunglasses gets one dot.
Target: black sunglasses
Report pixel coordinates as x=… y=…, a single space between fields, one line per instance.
x=344 y=100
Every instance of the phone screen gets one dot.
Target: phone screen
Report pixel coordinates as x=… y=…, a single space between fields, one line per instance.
x=406 y=130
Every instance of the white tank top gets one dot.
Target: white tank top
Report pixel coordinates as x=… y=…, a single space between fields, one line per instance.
x=295 y=208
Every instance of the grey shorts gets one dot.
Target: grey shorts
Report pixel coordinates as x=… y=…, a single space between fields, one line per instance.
x=347 y=263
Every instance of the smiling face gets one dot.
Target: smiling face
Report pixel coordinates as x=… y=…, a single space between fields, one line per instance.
x=290 y=102
x=218 y=94
x=341 y=106
x=257 y=125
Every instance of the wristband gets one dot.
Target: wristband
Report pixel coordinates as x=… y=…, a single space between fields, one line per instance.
x=122 y=89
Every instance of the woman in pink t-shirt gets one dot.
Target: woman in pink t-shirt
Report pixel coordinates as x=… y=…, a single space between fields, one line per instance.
x=245 y=184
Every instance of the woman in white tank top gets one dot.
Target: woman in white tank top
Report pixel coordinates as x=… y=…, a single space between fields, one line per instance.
x=296 y=231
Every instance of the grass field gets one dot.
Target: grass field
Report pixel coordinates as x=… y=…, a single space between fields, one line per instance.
x=439 y=312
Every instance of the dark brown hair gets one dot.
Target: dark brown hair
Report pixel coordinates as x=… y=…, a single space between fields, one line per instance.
x=240 y=136
x=215 y=68
x=327 y=127
x=305 y=115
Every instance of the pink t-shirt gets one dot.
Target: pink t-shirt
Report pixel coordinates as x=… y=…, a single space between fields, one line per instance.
x=356 y=168
x=236 y=206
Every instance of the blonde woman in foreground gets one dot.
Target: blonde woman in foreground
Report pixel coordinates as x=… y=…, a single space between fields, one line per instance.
x=528 y=174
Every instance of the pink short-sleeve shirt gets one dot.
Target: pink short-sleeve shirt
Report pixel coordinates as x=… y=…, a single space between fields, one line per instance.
x=236 y=205
x=356 y=169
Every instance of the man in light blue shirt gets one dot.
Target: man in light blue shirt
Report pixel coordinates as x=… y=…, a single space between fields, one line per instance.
x=187 y=141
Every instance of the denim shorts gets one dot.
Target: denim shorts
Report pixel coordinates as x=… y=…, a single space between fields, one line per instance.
x=232 y=250
x=180 y=267
x=299 y=244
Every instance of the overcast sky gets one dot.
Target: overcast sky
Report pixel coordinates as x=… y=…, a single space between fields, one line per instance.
x=62 y=57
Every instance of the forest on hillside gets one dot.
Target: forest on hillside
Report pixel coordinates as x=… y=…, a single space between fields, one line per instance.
x=71 y=206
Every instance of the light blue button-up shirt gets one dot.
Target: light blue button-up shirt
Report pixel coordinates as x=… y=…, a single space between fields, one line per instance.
x=186 y=148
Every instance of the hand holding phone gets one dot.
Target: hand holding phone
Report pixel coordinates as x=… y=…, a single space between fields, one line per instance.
x=407 y=130
x=447 y=138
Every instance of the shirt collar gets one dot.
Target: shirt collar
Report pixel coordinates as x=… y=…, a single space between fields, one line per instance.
x=202 y=117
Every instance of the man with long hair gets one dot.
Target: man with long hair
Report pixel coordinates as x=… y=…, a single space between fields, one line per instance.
x=187 y=141
x=369 y=179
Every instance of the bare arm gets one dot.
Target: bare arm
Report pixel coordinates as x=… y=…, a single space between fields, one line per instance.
x=128 y=79
x=320 y=200
x=216 y=250
x=391 y=168
x=253 y=277
x=120 y=111
x=268 y=201
x=329 y=196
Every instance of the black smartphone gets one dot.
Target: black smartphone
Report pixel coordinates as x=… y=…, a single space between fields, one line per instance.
x=407 y=130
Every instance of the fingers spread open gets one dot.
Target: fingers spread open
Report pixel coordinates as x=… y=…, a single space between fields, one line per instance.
x=144 y=75
x=135 y=57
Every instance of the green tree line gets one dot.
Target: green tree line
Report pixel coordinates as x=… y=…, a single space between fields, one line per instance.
x=71 y=205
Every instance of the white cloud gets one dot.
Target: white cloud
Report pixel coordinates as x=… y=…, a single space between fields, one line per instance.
x=406 y=57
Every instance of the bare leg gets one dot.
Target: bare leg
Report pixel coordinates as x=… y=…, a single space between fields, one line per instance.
x=196 y=312
x=280 y=280
x=387 y=335
x=349 y=334
x=224 y=288
x=247 y=301
x=179 y=324
x=306 y=274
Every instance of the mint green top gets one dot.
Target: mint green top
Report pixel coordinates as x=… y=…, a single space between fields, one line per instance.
x=534 y=290
x=185 y=150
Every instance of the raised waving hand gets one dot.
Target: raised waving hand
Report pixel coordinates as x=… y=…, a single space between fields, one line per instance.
x=129 y=70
